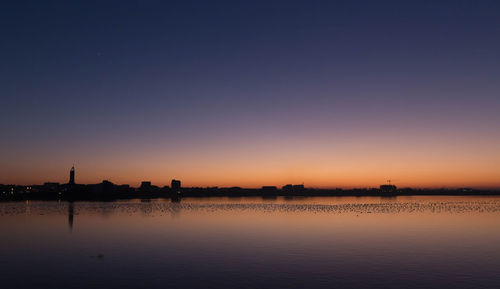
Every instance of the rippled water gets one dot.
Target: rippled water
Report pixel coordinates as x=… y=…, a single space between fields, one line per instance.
x=344 y=242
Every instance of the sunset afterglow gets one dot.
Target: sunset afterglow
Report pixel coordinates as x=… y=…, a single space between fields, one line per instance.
x=221 y=97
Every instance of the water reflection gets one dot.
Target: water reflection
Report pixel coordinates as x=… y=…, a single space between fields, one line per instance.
x=333 y=205
x=70 y=215
x=345 y=242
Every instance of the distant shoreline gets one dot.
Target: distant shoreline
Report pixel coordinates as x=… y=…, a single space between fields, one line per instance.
x=239 y=192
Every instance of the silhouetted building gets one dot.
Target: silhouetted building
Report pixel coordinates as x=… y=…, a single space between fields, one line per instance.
x=105 y=187
x=269 y=189
x=176 y=186
x=292 y=188
x=72 y=176
x=122 y=189
x=50 y=187
x=388 y=188
x=145 y=187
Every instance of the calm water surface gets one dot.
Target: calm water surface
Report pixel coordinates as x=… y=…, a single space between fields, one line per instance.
x=347 y=242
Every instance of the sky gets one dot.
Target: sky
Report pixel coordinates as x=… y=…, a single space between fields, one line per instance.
x=251 y=93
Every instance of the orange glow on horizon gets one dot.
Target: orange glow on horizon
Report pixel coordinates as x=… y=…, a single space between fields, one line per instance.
x=319 y=163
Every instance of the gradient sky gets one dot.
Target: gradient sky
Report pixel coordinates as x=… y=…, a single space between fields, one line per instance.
x=249 y=93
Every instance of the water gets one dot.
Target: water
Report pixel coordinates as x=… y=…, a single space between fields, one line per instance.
x=345 y=242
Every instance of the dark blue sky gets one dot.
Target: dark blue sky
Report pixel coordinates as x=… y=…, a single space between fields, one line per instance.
x=165 y=84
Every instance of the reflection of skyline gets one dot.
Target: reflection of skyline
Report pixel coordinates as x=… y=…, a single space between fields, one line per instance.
x=222 y=237
x=163 y=207
x=374 y=204
x=70 y=215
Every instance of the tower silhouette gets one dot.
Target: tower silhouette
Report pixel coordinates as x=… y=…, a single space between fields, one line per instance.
x=72 y=176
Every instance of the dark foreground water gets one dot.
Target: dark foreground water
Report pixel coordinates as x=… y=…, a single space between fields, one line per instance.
x=348 y=242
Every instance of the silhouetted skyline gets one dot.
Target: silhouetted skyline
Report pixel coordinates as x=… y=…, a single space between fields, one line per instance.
x=245 y=93
x=148 y=187
x=107 y=189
